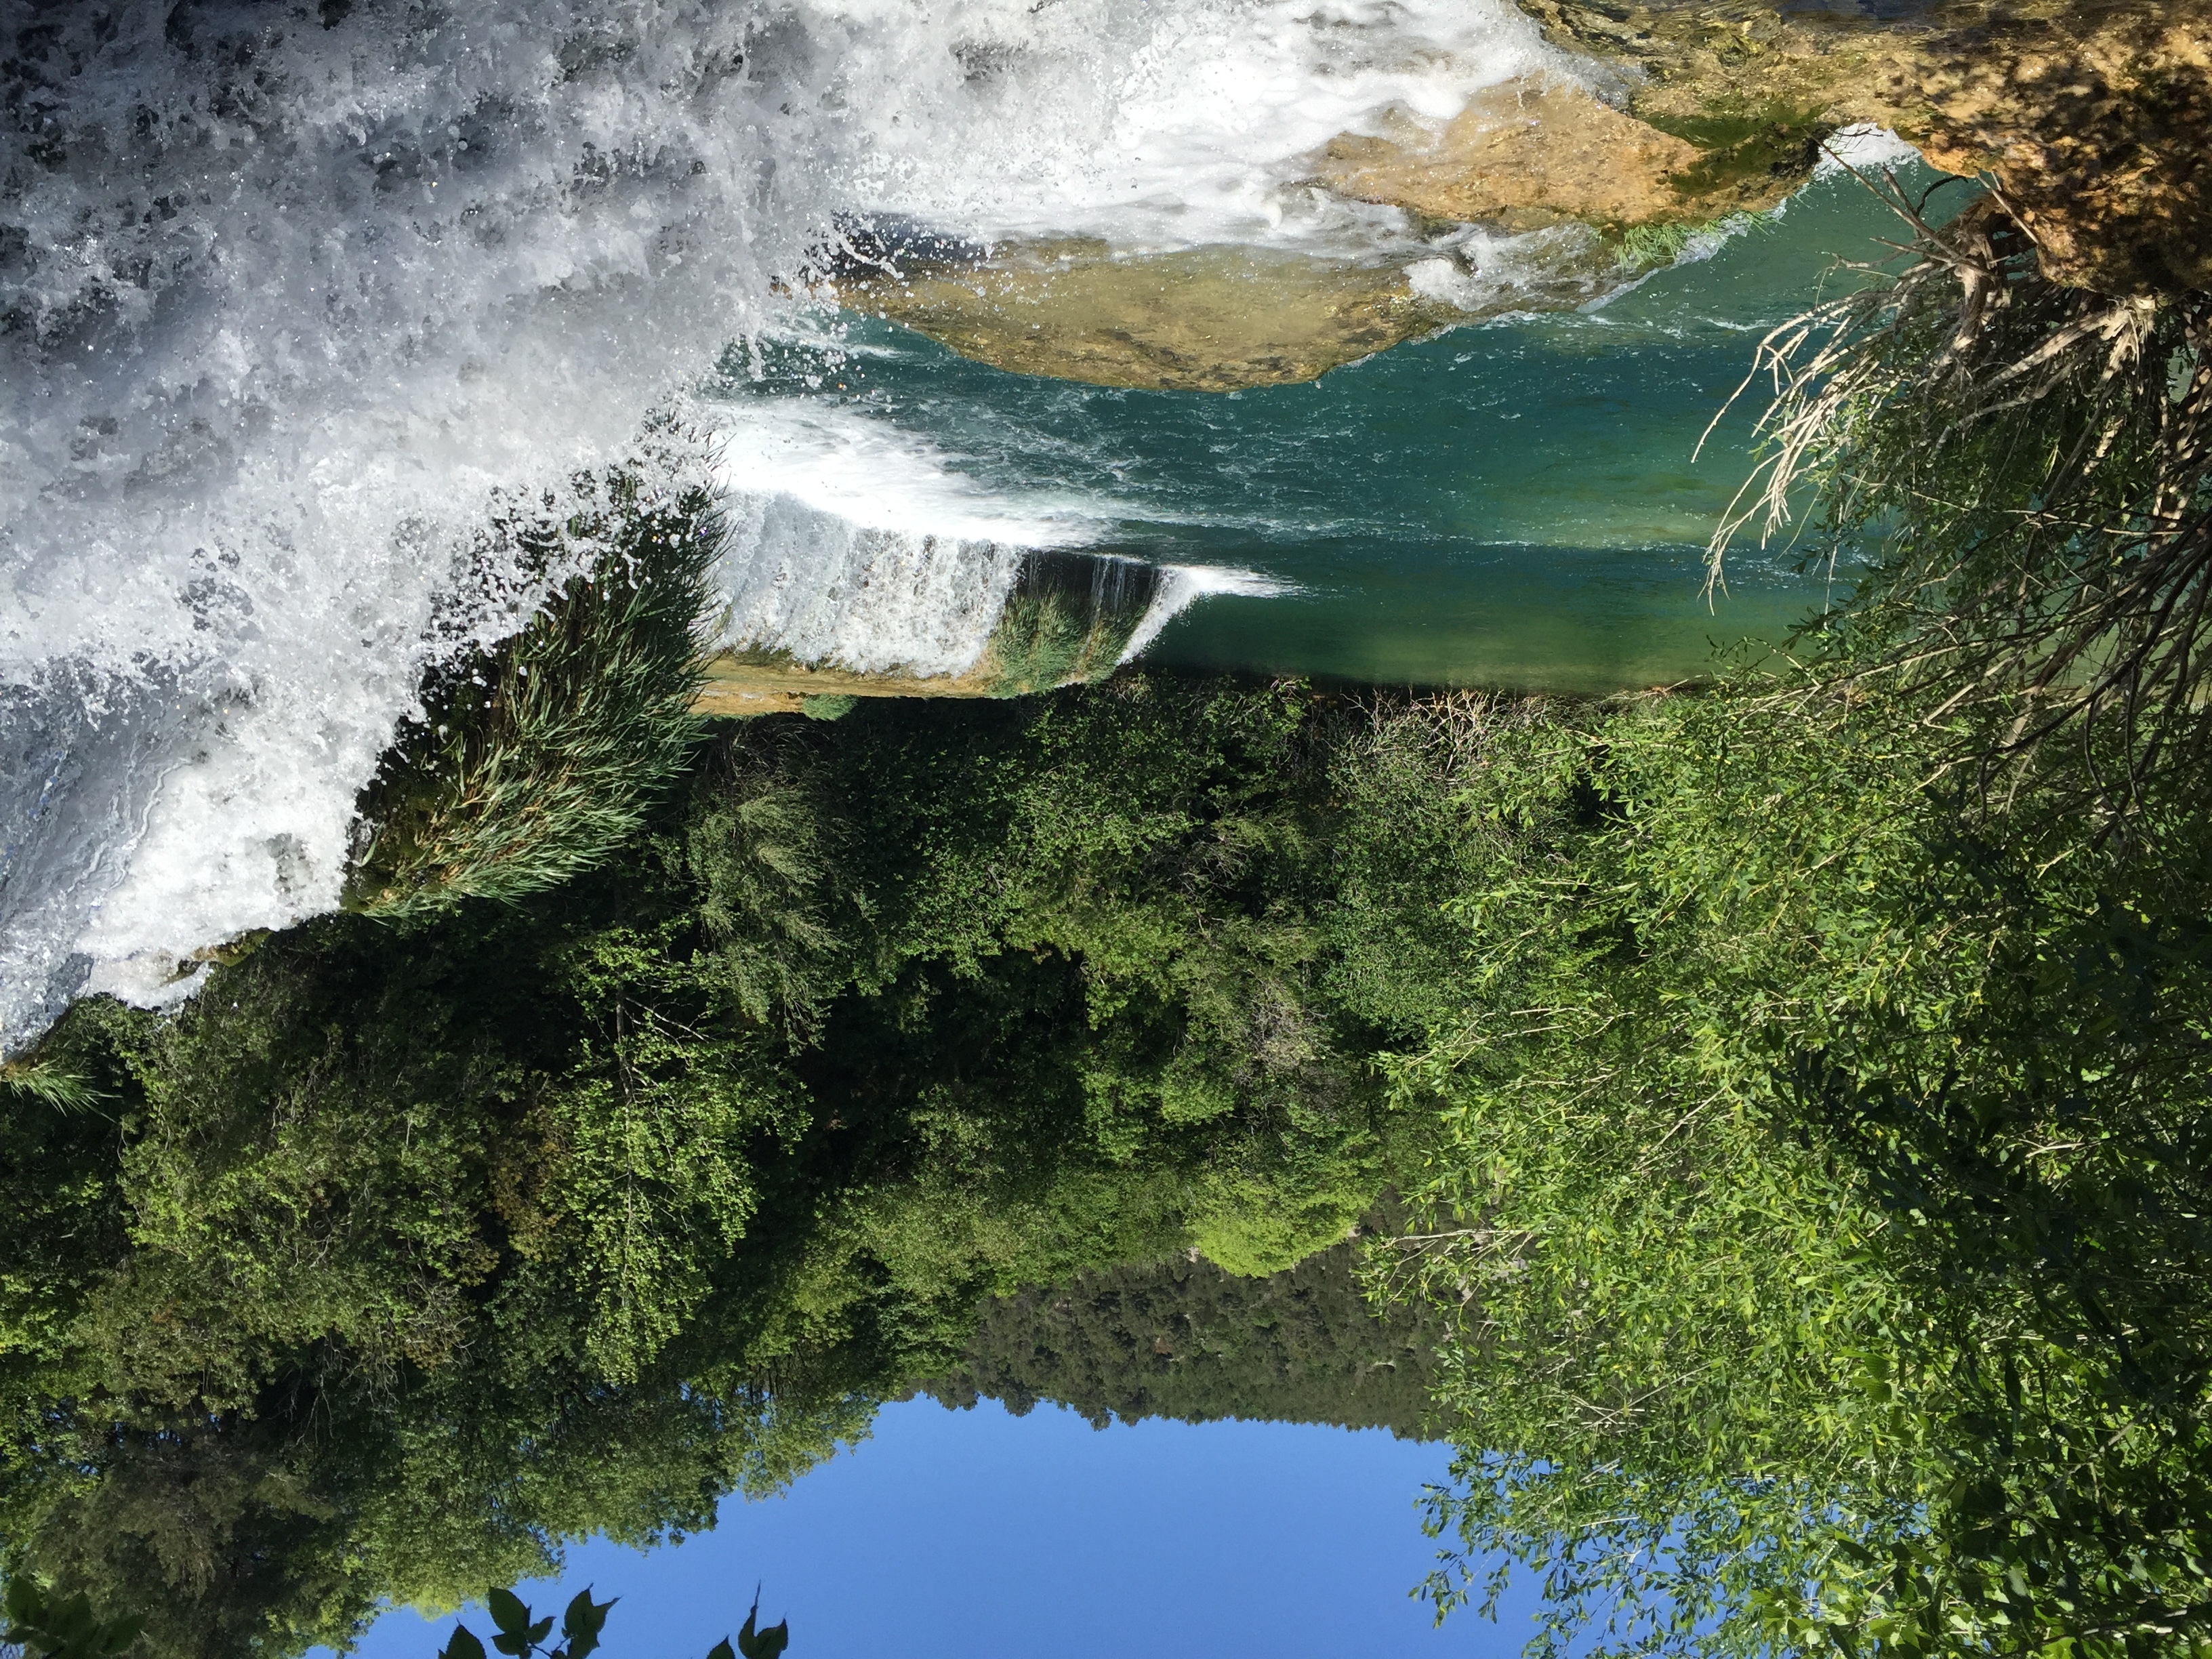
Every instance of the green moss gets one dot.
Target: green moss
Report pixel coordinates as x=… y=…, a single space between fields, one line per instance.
x=1745 y=144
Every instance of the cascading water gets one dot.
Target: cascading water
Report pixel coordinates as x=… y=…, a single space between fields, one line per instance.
x=289 y=289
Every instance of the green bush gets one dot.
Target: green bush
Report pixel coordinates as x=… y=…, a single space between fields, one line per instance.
x=539 y=757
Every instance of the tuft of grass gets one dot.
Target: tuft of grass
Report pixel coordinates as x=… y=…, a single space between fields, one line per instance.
x=537 y=758
x=49 y=1083
x=2034 y=463
x=1067 y=620
x=827 y=706
x=1650 y=247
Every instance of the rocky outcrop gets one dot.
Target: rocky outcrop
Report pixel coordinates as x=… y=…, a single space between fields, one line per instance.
x=1205 y=320
x=2096 y=122
x=2093 y=117
x=1216 y=318
x=1519 y=154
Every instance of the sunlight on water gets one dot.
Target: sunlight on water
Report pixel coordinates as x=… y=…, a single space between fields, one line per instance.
x=292 y=295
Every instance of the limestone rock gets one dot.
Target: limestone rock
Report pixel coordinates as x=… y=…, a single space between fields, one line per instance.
x=2092 y=115
x=1522 y=147
x=1203 y=319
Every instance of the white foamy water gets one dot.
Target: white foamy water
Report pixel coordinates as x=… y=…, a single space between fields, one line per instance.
x=1161 y=126
x=854 y=544
x=282 y=303
x=1183 y=586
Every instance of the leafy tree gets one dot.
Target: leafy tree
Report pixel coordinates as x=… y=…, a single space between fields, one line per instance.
x=51 y=1628
x=414 y=1246
x=1823 y=1210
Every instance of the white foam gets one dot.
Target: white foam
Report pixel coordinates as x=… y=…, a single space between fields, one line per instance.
x=853 y=542
x=1864 y=148
x=1160 y=127
x=1183 y=586
x=289 y=302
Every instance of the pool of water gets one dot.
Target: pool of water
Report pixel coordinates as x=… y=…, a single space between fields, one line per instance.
x=1515 y=504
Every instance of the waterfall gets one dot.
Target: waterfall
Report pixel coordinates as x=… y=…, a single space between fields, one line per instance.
x=288 y=291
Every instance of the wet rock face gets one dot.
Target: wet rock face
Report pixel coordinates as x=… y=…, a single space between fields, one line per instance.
x=1205 y=320
x=2092 y=115
x=1518 y=148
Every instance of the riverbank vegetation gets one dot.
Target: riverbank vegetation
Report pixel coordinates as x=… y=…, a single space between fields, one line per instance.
x=414 y=1244
x=1789 y=1097
x=1805 y=1165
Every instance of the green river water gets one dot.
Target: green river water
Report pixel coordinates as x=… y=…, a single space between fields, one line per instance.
x=1512 y=505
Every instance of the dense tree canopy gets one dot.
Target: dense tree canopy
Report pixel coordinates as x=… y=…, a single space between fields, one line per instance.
x=1792 y=1094
x=414 y=1244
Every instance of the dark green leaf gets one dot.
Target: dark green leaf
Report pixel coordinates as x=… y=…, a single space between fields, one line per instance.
x=766 y=1643
x=581 y=1623
x=463 y=1645
x=23 y=1603
x=508 y=1611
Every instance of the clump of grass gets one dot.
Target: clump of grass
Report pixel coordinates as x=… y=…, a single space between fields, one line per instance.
x=1650 y=248
x=1068 y=620
x=48 y=1082
x=827 y=706
x=537 y=758
x=2034 y=463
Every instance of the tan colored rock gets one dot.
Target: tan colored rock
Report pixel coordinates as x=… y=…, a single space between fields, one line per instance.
x=2096 y=122
x=741 y=685
x=1205 y=320
x=2094 y=117
x=1522 y=147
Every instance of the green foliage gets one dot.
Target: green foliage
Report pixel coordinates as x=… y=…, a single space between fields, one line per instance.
x=47 y=1082
x=521 y=1637
x=48 y=1627
x=414 y=1246
x=537 y=758
x=1066 y=621
x=1822 y=1215
x=2028 y=464
x=766 y=1642
x=1185 y=1338
x=1806 y=1165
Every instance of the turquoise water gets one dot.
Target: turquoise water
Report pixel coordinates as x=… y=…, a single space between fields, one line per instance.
x=1514 y=504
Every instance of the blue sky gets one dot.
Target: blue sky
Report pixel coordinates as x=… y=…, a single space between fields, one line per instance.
x=976 y=1534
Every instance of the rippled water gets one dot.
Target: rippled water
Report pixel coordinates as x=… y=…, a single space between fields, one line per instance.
x=1512 y=504
x=291 y=293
